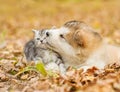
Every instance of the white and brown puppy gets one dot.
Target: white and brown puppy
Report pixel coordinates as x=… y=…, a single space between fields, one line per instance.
x=80 y=46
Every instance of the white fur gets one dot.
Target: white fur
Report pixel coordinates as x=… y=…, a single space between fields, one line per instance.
x=102 y=56
x=60 y=45
x=52 y=66
x=51 y=59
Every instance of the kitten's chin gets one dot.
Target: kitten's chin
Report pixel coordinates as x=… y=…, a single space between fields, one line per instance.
x=41 y=45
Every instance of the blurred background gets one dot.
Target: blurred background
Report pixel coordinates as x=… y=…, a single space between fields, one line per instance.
x=19 y=17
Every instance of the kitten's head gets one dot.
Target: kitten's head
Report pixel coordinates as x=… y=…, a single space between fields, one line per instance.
x=40 y=37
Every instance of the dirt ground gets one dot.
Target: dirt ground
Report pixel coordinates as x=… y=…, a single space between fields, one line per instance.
x=18 y=18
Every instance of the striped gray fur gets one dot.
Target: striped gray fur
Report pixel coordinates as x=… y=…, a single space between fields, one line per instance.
x=36 y=50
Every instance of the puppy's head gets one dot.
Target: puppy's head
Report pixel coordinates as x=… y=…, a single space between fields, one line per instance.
x=81 y=35
x=73 y=36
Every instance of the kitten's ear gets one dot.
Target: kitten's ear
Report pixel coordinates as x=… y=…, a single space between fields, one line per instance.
x=34 y=31
x=53 y=27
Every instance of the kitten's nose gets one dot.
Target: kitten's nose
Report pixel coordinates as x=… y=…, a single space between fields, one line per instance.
x=41 y=41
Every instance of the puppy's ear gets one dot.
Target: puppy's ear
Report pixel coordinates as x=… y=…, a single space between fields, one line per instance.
x=80 y=38
x=83 y=35
x=86 y=38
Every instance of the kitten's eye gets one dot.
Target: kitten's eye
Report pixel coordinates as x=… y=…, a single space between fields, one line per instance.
x=61 y=35
x=38 y=38
x=47 y=34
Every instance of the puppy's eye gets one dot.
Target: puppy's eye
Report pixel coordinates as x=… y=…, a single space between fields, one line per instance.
x=61 y=35
x=47 y=34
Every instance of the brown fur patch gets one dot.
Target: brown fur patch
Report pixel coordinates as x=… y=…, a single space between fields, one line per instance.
x=73 y=24
x=81 y=34
x=82 y=38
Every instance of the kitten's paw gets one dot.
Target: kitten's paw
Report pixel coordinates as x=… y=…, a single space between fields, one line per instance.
x=37 y=60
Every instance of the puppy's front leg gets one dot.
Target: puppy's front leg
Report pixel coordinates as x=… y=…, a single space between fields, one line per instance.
x=61 y=66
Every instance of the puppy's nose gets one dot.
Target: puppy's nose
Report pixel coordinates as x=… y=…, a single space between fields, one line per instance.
x=47 y=34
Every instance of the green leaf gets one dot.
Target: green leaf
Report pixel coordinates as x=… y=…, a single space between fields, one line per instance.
x=13 y=72
x=28 y=68
x=40 y=67
x=2 y=36
x=1 y=58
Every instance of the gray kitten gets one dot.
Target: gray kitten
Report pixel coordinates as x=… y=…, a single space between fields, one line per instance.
x=36 y=50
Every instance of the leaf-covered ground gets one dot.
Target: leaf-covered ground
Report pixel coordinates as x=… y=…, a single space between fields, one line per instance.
x=19 y=17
